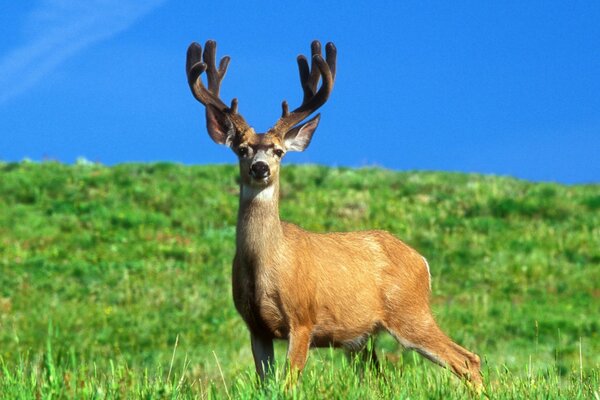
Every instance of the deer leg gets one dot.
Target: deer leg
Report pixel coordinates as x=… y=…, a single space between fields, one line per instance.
x=367 y=360
x=264 y=356
x=299 y=343
x=427 y=339
x=367 y=356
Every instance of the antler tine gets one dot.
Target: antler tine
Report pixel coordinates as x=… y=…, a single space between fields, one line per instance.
x=309 y=79
x=195 y=66
x=322 y=95
x=315 y=49
x=305 y=77
x=331 y=57
x=214 y=75
x=285 y=109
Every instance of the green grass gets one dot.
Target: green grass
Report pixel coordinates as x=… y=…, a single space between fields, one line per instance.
x=103 y=269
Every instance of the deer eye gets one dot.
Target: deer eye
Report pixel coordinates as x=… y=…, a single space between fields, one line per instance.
x=243 y=151
x=278 y=152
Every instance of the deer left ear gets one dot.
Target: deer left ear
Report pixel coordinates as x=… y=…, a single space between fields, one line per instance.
x=298 y=138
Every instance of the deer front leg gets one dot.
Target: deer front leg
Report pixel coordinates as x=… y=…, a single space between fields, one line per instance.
x=262 y=351
x=299 y=343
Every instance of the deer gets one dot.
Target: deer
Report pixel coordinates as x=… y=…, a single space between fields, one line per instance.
x=313 y=289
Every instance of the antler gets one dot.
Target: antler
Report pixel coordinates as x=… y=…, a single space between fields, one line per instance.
x=210 y=97
x=309 y=79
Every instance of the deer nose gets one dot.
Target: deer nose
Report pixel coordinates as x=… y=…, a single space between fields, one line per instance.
x=259 y=170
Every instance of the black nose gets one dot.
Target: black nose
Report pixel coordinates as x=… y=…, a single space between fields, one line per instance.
x=259 y=170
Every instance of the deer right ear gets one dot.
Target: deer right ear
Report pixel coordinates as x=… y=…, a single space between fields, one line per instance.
x=298 y=138
x=219 y=126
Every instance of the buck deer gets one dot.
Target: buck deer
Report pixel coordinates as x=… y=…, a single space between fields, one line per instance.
x=313 y=289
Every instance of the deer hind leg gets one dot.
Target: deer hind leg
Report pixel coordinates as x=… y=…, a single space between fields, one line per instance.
x=427 y=339
x=367 y=356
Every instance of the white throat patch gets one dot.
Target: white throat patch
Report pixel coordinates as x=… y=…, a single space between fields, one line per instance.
x=258 y=193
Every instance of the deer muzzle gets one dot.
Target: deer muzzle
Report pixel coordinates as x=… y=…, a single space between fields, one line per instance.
x=260 y=170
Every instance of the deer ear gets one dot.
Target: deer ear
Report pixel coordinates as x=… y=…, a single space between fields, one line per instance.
x=298 y=138
x=219 y=126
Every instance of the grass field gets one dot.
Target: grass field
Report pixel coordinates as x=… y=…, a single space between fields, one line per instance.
x=115 y=282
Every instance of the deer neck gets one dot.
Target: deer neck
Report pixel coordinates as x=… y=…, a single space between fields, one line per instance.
x=259 y=231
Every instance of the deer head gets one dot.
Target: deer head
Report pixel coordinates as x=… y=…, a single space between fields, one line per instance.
x=260 y=154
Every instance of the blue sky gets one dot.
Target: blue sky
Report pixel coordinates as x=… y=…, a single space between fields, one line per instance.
x=506 y=88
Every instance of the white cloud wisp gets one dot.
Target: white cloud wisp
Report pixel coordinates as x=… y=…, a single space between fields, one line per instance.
x=58 y=29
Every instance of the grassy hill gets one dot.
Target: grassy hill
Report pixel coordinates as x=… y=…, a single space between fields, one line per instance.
x=115 y=282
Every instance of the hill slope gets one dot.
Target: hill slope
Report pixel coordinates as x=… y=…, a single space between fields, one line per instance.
x=101 y=264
